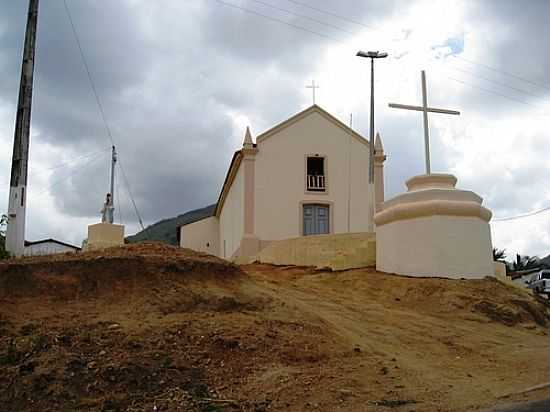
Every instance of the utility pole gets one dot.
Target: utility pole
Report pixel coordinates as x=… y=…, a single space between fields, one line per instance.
x=15 y=234
x=371 y=55
x=113 y=164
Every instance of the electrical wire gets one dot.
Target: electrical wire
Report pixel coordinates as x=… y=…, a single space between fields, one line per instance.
x=100 y=106
x=495 y=82
x=524 y=215
x=119 y=203
x=498 y=94
x=295 y=26
x=469 y=61
x=329 y=13
x=515 y=76
x=495 y=93
x=109 y=134
x=73 y=161
x=74 y=173
x=302 y=16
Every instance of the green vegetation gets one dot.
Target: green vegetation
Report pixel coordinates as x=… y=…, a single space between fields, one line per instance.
x=165 y=230
x=3 y=225
x=521 y=263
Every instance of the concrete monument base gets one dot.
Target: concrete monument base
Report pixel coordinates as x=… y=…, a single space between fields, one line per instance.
x=434 y=229
x=104 y=235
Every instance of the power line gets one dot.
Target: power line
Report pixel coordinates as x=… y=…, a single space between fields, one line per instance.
x=498 y=94
x=73 y=161
x=100 y=106
x=127 y=184
x=486 y=66
x=303 y=16
x=515 y=76
x=327 y=12
x=84 y=61
x=524 y=215
x=89 y=162
x=278 y=20
x=356 y=22
x=495 y=82
x=119 y=203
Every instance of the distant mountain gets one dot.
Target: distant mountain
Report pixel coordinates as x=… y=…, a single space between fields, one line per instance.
x=165 y=230
x=545 y=262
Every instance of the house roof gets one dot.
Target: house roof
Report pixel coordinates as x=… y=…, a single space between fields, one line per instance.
x=50 y=240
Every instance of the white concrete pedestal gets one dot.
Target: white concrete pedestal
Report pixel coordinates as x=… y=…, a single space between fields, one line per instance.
x=104 y=235
x=434 y=229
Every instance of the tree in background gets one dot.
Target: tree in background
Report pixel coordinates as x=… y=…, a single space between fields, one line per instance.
x=3 y=226
x=524 y=263
x=499 y=255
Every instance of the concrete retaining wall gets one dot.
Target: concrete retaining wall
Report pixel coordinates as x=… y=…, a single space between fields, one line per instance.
x=342 y=251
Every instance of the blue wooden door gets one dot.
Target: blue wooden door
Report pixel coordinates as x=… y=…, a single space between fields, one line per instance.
x=316 y=220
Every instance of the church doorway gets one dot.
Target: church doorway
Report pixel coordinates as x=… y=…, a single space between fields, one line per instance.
x=316 y=219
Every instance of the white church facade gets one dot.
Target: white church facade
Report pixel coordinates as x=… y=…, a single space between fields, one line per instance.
x=306 y=176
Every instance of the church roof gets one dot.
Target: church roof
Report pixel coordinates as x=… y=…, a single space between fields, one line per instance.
x=229 y=177
x=304 y=113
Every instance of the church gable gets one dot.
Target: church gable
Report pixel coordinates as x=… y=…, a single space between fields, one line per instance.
x=312 y=110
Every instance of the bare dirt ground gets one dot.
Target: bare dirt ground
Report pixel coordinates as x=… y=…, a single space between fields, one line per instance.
x=149 y=325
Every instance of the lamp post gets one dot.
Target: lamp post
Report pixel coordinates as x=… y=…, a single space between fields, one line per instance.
x=371 y=55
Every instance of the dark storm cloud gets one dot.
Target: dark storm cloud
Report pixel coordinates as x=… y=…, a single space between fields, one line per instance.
x=515 y=37
x=169 y=76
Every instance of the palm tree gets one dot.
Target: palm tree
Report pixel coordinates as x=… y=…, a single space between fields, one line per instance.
x=499 y=255
x=525 y=263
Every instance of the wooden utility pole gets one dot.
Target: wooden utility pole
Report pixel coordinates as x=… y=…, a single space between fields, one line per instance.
x=15 y=234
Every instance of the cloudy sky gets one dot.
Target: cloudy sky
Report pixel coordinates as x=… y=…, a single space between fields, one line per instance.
x=179 y=81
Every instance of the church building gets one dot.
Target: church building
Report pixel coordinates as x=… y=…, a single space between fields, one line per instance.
x=305 y=176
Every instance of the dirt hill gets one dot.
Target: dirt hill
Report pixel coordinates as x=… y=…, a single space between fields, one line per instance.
x=149 y=325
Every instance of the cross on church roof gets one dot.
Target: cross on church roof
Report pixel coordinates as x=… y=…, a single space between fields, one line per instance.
x=425 y=109
x=313 y=86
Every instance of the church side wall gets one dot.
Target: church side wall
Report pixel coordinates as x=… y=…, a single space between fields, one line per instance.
x=232 y=218
x=280 y=181
x=203 y=236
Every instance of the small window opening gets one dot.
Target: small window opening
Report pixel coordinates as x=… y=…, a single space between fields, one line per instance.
x=316 y=174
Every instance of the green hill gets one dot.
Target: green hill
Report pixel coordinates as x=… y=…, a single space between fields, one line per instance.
x=165 y=230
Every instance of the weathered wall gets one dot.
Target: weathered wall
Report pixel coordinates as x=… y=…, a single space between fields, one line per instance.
x=47 y=248
x=203 y=236
x=280 y=181
x=342 y=251
x=232 y=218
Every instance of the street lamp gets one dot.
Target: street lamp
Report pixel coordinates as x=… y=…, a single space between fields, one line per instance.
x=371 y=55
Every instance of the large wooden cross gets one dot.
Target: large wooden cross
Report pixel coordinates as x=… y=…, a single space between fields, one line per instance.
x=425 y=109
